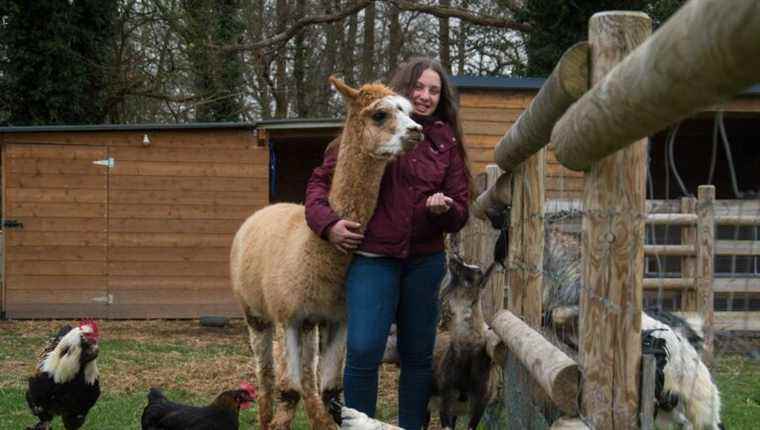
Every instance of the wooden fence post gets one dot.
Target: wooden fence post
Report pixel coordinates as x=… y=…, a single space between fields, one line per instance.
x=688 y=262
x=492 y=298
x=705 y=264
x=528 y=214
x=613 y=250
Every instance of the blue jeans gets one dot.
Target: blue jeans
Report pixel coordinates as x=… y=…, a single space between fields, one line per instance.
x=379 y=291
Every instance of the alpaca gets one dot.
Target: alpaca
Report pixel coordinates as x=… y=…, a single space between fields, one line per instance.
x=284 y=275
x=464 y=376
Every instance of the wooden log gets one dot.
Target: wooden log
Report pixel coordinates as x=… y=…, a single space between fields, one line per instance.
x=669 y=283
x=736 y=285
x=495 y=199
x=737 y=247
x=672 y=219
x=495 y=347
x=566 y=423
x=676 y=250
x=532 y=130
x=737 y=220
x=670 y=77
x=533 y=211
x=551 y=368
x=689 y=262
x=477 y=240
x=515 y=258
x=705 y=264
x=613 y=251
x=648 y=369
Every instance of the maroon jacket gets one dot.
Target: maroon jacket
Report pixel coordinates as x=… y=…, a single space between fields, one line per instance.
x=402 y=226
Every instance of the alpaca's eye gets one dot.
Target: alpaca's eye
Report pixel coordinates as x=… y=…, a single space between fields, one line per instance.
x=379 y=116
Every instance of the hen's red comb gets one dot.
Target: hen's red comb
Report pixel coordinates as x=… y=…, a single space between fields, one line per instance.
x=248 y=387
x=90 y=322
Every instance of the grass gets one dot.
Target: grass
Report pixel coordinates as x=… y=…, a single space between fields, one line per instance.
x=193 y=364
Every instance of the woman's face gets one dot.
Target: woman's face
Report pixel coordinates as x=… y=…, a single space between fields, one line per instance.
x=426 y=93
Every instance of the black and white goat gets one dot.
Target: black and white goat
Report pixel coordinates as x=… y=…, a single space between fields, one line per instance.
x=464 y=376
x=685 y=392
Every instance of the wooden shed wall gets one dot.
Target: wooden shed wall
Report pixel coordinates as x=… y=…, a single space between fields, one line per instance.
x=147 y=238
x=487 y=114
x=486 y=117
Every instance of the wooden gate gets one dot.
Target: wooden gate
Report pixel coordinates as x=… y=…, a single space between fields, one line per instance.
x=55 y=230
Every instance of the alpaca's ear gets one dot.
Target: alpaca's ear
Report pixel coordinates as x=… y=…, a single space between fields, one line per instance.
x=348 y=92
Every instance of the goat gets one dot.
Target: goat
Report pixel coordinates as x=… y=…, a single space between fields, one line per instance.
x=283 y=274
x=463 y=372
x=686 y=393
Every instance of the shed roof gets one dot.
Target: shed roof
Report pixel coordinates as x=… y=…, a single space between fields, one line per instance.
x=127 y=127
x=518 y=83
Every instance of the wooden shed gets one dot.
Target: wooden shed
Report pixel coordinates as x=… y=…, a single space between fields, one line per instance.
x=136 y=221
x=490 y=105
x=125 y=221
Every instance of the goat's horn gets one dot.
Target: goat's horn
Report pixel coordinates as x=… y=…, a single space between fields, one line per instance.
x=344 y=89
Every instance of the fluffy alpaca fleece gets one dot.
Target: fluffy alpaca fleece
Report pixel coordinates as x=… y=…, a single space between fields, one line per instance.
x=283 y=274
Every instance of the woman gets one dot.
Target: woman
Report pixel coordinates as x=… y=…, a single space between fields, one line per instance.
x=399 y=261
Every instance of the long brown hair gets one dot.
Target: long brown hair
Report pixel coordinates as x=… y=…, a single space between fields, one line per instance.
x=403 y=82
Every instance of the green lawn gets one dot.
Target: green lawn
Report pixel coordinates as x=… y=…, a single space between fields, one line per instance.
x=192 y=364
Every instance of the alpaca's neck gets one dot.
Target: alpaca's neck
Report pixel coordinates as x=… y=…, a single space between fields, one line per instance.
x=356 y=182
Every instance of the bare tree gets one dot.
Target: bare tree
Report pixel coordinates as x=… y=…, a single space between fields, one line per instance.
x=281 y=83
x=299 y=64
x=396 y=40
x=443 y=37
x=368 y=49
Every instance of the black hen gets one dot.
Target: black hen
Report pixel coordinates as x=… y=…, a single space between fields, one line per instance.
x=66 y=382
x=221 y=414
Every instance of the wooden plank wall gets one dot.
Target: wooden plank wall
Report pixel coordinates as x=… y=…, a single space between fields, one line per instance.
x=172 y=209
x=56 y=263
x=487 y=115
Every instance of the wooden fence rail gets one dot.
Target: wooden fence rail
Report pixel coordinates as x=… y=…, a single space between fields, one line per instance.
x=669 y=77
x=638 y=90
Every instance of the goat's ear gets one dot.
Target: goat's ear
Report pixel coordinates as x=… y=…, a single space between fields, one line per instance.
x=347 y=92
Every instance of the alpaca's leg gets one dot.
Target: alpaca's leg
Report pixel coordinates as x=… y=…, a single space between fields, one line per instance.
x=289 y=382
x=331 y=359
x=315 y=409
x=260 y=333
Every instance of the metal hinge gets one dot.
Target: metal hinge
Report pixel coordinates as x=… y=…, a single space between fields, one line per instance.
x=12 y=223
x=107 y=299
x=108 y=162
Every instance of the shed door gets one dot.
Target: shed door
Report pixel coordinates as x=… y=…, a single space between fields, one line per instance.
x=56 y=255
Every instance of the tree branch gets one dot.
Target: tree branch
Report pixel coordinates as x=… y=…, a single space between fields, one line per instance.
x=463 y=14
x=299 y=26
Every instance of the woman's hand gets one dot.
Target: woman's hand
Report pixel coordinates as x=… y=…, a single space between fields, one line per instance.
x=438 y=203
x=343 y=236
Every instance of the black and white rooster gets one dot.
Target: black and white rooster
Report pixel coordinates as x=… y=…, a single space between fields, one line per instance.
x=351 y=419
x=66 y=381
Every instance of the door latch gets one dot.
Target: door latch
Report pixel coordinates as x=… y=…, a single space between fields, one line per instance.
x=108 y=162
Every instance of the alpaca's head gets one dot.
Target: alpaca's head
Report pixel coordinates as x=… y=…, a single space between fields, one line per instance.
x=381 y=118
